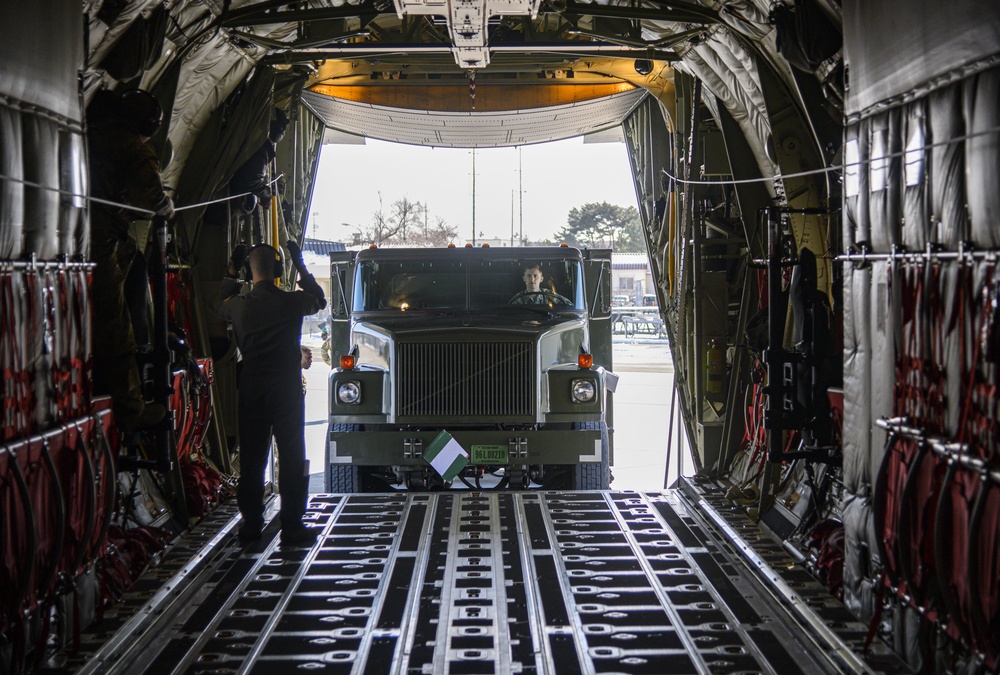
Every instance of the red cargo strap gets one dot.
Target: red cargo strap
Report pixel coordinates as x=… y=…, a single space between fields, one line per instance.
x=910 y=478
x=916 y=528
x=105 y=445
x=31 y=330
x=202 y=486
x=179 y=294
x=112 y=572
x=37 y=460
x=79 y=493
x=951 y=551
x=897 y=458
x=180 y=404
x=17 y=543
x=191 y=402
x=71 y=335
x=203 y=401
x=49 y=516
x=82 y=383
x=880 y=587
x=62 y=374
x=920 y=380
x=984 y=573
x=827 y=538
x=18 y=392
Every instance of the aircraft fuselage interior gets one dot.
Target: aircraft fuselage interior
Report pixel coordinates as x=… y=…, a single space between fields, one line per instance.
x=818 y=188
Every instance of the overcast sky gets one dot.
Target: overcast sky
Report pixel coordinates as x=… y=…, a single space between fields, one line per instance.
x=556 y=178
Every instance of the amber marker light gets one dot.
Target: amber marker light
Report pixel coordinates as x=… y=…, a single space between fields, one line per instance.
x=468 y=246
x=584 y=360
x=372 y=245
x=564 y=245
x=451 y=245
x=347 y=362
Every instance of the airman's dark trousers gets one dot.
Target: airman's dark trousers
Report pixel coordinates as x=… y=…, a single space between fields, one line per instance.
x=272 y=404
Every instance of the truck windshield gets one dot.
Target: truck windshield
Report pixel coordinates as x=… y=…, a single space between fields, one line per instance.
x=406 y=285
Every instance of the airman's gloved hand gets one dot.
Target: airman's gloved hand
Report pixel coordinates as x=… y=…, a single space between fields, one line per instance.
x=295 y=256
x=166 y=208
x=237 y=259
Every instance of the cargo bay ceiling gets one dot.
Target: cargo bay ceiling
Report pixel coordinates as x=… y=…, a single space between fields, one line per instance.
x=525 y=70
x=465 y=73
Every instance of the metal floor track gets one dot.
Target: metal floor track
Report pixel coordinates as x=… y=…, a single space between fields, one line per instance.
x=470 y=583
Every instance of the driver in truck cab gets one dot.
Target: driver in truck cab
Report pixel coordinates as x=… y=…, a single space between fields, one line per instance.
x=533 y=293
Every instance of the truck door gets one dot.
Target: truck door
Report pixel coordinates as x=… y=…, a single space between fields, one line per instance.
x=597 y=284
x=597 y=279
x=341 y=286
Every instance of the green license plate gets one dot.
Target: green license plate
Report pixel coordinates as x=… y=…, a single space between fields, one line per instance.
x=489 y=454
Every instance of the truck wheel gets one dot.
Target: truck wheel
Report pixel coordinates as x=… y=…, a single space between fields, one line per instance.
x=593 y=476
x=343 y=478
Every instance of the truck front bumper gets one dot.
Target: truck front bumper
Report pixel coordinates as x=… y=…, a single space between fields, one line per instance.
x=401 y=448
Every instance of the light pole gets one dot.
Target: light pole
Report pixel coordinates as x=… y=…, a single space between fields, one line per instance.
x=520 y=196
x=512 y=218
x=473 y=196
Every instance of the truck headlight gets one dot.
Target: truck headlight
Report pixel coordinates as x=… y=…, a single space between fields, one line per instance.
x=349 y=393
x=583 y=391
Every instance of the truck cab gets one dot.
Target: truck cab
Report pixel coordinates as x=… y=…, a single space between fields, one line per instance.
x=450 y=340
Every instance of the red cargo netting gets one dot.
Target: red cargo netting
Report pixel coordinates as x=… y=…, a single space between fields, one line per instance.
x=57 y=493
x=45 y=347
x=937 y=497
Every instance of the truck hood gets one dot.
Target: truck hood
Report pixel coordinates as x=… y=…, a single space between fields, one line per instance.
x=559 y=339
x=426 y=324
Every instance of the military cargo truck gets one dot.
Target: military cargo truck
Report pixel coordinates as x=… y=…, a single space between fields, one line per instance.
x=459 y=343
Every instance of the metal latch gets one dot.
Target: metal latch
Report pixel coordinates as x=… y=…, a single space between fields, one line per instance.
x=517 y=448
x=413 y=448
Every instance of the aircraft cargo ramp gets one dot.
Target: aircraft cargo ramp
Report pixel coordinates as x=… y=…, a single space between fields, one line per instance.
x=487 y=582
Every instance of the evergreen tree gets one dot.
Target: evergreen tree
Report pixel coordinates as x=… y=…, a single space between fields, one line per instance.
x=597 y=225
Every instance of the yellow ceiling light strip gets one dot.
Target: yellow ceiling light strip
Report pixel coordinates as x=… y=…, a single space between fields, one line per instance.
x=489 y=98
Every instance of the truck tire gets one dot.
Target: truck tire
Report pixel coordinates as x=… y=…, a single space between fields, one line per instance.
x=593 y=476
x=343 y=478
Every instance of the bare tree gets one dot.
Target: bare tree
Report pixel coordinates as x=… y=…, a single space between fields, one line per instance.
x=383 y=228
x=406 y=224
x=408 y=217
x=439 y=234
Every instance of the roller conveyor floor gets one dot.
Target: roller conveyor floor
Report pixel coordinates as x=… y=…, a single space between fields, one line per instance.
x=586 y=582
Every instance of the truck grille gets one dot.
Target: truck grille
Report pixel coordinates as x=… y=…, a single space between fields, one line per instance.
x=473 y=379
